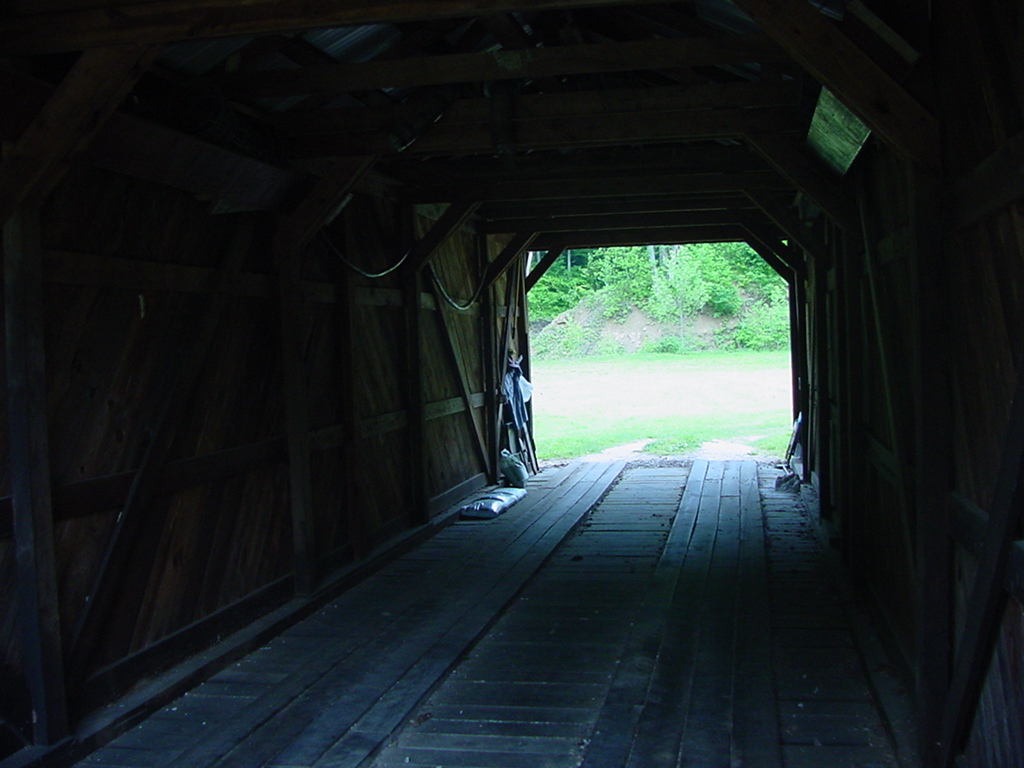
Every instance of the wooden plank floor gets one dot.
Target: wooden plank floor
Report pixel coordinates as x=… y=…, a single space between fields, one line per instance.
x=335 y=686
x=689 y=620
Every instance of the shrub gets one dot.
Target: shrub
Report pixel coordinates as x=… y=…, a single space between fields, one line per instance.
x=764 y=327
x=723 y=299
x=668 y=345
x=609 y=347
x=564 y=340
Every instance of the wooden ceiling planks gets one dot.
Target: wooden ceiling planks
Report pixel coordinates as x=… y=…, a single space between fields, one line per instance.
x=615 y=187
x=557 y=61
x=586 y=223
x=729 y=233
x=599 y=129
x=547 y=106
x=146 y=150
x=69 y=27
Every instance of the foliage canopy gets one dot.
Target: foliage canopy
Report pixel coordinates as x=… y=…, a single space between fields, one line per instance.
x=670 y=283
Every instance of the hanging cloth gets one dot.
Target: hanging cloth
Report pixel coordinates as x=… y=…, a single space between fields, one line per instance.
x=512 y=388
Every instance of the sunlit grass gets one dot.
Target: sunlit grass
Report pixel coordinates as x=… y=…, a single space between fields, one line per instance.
x=678 y=401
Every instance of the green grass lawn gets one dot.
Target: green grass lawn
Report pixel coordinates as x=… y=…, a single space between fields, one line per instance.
x=679 y=401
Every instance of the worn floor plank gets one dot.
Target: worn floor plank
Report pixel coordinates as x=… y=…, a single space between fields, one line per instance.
x=687 y=620
x=335 y=686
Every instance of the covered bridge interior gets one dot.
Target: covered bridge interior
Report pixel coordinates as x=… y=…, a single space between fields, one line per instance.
x=263 y=269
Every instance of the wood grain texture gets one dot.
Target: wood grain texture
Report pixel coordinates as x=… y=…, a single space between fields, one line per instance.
x=34 y=544
x=71 y=117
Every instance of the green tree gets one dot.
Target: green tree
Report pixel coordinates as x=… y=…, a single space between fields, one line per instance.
x=624 y=276
x=562 y=287
x=679 y=288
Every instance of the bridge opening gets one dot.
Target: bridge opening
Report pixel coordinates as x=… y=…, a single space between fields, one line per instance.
x=658 y=350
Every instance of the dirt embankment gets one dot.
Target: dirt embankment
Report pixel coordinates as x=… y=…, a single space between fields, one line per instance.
x=633 y=332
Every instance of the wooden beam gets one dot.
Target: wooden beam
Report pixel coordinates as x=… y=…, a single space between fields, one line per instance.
x=614 y=187
x=545 y=106
x=677 y=236
x=767 y=252
x=887 y=358
x=346 y=334
x=542 y=267
x=501 y=361
x=996 y=182
x=414 y=387
x=145 y=150
x=451 y=220
x=594 y=164
x=167 y=21
x=584 y=223
x=771 y=238
x=864 y=87
x=319 y=208
x=595 y=130
x=519 y=243
x=293 y=233
x=76 y=268
x=793 y=160
x=969 y=527
x=300 y=474
x=987 y=594
x=935 y=600
x=101 y=494
x=493 y=213
x=789 y=223
x=554 y=61
x=799 y=363
x=523 y=335
x=108 y=587
x=466 y=391
x=39 y=610
x=86 y=98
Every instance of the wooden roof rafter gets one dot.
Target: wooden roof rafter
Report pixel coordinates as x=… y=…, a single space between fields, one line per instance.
x=466 y=111
x=602 y=222
x=629 y=186
x=69 y=120
x=599 y=165
x=145 y=150
x=166 y=21
x=598 y=130
x=509 y=212
x=864 y=87
x=500 y=65
x=794 y=160
x=655 y=236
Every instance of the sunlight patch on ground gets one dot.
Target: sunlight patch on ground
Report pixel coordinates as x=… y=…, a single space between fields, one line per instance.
x=616 y=452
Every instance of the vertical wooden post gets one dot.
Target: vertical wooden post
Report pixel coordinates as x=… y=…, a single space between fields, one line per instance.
x=504 y=347
x=323 y=203
x=39 y=613
x=489 y=331
x=934 y=468
x=293 y=343
x=524 y=350
x=798 y=356
x=822 y=385
x=848 y=312
x=350 y=417
x=414 y=382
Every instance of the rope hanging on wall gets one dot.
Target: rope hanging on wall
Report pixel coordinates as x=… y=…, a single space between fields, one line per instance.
x=357 y=269
x=449 y=300
x=377 y=275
